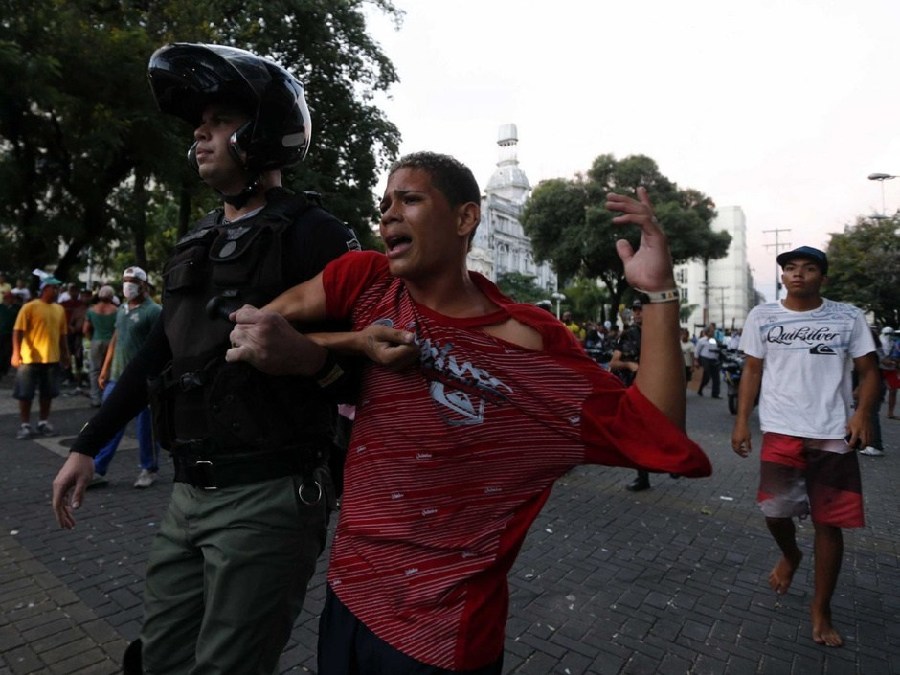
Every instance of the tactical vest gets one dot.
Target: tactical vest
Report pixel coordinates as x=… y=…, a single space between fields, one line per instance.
x=202 y=401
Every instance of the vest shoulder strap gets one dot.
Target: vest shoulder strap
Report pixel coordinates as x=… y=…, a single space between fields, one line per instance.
x=289 y=207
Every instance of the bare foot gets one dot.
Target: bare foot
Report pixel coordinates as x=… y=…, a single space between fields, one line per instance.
x=783 y=573
x=823 y=632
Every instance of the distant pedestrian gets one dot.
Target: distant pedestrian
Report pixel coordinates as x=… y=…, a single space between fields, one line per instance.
x=134 y=320
x=21 y=291
x=799 y=351
x=76 y=307
x=707 y=352
x=39 y=346
x=9 y=310
x=890 y=368
x=687 y=353
x=99 y=326
x=886 y=338
x=573 y=326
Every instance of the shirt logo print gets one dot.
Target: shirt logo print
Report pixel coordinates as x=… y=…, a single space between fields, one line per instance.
x=804 y=335
x=460 y=389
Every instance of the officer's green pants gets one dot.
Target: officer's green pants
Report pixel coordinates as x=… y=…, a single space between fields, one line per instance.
x=226 y=577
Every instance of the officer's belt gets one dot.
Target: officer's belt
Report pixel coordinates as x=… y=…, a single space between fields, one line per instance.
x=197 y=463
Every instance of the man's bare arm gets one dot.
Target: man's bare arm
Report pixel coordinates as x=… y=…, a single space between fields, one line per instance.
x=751 y=378
x=661 y=375
x=860 y=424
x=388 y=347
x=303 y=302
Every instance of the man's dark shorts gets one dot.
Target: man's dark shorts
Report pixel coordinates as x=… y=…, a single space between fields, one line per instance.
x=348 y=647
x=31 y=377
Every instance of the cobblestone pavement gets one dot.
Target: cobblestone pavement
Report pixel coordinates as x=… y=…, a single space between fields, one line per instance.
x=671 y=580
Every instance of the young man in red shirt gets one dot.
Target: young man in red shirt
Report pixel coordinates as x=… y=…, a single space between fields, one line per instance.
x=456 y=444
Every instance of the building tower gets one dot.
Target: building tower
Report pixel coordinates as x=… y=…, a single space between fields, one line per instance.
x=501 y=245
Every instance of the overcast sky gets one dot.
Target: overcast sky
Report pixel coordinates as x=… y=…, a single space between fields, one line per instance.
x=780 y=107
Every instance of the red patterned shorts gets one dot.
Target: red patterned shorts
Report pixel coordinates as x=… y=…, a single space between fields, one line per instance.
x=810 y=476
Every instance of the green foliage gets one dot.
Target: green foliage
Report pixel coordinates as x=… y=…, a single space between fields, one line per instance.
x=864 y=268
x=586 y=300
x=86 y=160
x=569 y=225
x=521 y=287
x=684 y=313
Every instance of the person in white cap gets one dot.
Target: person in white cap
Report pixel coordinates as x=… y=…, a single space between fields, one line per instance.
x=134 y=320
x=39 y=347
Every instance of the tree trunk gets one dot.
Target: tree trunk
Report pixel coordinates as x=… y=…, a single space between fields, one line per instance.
x=139 y=229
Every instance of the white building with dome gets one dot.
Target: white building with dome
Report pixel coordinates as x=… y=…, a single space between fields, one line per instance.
x=501 y=245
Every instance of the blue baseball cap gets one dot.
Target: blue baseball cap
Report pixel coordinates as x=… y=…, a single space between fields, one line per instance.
x=49 y=281
x=807 y=253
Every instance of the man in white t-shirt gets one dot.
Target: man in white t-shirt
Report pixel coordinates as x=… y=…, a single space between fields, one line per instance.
x=802 y=351
x=707 y=353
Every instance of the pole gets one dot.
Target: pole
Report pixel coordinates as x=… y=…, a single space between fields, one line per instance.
x=777 y=245
x=721 y=290
x=722 y=298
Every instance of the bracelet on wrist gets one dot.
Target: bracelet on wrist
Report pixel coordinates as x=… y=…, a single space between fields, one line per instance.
x=330 y=372
x=658 y=297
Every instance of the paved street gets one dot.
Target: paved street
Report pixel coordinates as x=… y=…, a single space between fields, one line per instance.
x=671 y=580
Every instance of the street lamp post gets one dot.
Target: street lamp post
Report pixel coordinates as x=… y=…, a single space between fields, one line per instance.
x=881 y=177
x=558 y=297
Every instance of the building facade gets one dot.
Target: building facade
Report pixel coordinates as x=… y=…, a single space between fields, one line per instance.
x=500 y=244
x=723 y=291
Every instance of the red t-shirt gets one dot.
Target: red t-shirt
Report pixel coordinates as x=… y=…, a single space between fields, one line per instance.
x=449 y=465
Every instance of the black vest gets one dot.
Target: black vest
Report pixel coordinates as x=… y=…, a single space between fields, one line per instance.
x=215 y=269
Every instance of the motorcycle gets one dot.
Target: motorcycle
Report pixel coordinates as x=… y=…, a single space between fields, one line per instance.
x=600 y=355
x=732 y=364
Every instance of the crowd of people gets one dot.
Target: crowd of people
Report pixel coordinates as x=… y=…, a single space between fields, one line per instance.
x=446 y=377
x=702 y=350
x=77 y=341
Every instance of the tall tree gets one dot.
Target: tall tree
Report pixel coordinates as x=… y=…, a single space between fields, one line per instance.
x=85 y=157
x=587 y=300
x=570 y=227
x=521 y=287
x=864 y=268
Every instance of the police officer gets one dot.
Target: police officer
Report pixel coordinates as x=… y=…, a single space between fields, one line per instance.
x=625 y=363
x=228 y=569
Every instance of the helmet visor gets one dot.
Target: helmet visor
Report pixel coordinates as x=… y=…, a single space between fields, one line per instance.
x=187 y=77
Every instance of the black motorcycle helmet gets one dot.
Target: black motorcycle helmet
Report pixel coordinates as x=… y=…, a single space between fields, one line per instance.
x=186 y=77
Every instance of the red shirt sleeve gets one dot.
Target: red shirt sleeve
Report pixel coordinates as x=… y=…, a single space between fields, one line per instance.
x=347 y=277
x=632 y=432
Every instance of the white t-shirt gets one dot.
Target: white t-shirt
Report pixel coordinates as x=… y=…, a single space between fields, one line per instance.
x=807 y=360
